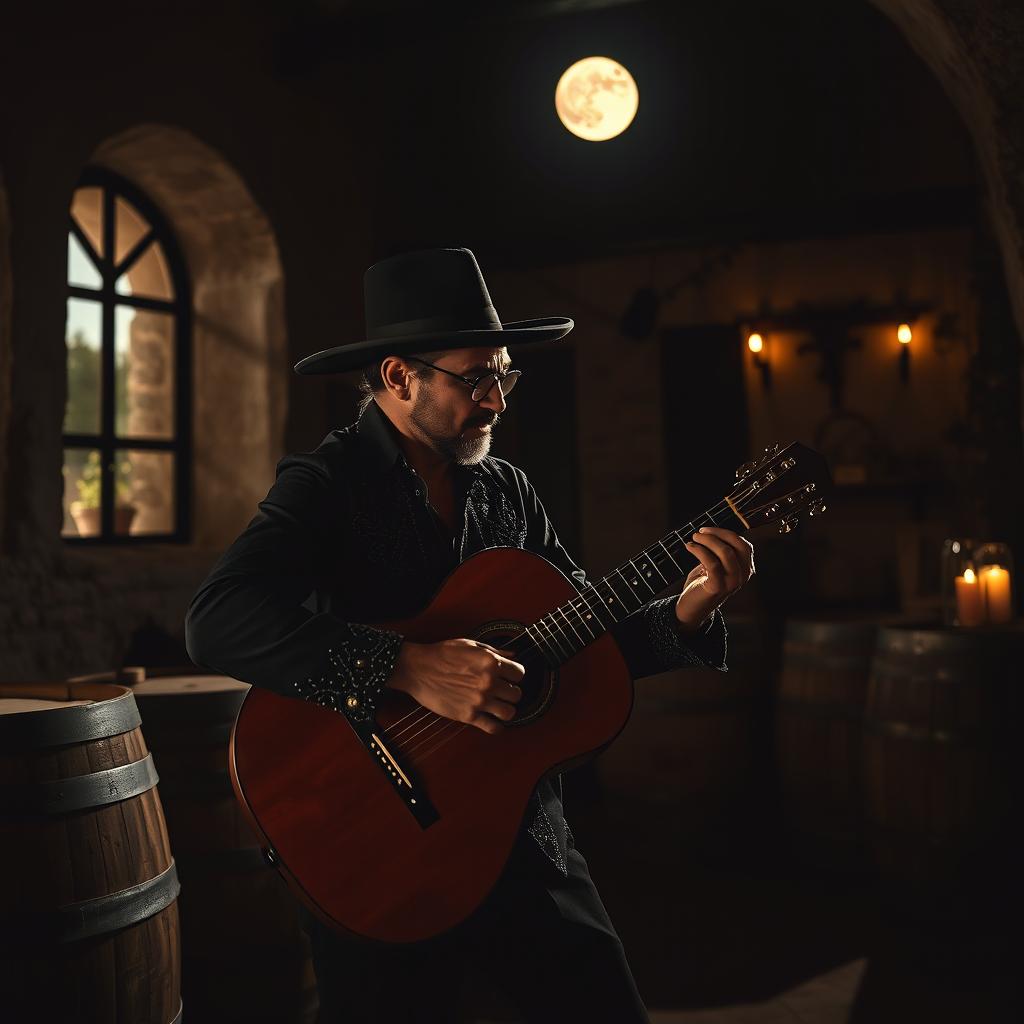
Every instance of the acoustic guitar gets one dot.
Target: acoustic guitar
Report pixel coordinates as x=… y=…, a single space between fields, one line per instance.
x=396 y=830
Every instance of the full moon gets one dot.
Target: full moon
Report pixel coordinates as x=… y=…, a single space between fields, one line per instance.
x=596 y=98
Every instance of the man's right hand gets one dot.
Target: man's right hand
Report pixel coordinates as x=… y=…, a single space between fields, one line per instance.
x=463 y=680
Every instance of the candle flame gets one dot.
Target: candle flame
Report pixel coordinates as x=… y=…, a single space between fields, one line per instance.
x=969 y=576
x=904 y=334
x=755 y=343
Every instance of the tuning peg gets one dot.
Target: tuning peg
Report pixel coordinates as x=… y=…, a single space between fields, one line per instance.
x=786 y=526
x=745 y=470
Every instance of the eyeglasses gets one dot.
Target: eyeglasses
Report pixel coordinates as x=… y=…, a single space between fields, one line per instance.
x=481 y=387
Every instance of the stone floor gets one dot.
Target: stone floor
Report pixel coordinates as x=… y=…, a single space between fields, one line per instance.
x=727 y=926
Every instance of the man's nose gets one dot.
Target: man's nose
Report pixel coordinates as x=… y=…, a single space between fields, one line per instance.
x=494 y=399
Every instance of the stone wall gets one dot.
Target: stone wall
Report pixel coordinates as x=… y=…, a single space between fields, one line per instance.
x=284 y=180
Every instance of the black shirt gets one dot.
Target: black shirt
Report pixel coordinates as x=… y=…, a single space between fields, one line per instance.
x=346 y=537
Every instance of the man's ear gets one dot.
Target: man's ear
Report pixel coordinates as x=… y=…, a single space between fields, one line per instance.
x=396 y=375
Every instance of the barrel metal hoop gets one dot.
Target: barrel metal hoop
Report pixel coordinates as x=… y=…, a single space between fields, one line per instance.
x=75 y=921
x=77 y=724
x=80 y=792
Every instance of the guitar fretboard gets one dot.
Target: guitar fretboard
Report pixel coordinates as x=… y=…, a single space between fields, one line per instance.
x=564 y=632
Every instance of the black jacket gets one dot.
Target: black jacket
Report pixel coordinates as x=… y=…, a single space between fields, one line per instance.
x=346 y=537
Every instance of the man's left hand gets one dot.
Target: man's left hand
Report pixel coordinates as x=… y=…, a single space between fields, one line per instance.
x=726 y=563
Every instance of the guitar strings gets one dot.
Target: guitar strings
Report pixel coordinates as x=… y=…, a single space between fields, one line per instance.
x=447 y=724
x=432 y=718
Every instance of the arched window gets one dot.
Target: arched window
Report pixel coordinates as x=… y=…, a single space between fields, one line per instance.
x=126 y=422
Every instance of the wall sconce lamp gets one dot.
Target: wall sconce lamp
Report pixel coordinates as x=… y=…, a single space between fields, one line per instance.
x=904 y=335
x=755 y=342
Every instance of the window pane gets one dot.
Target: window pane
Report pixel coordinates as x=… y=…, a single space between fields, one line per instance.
x=87 y=209
x=145 y=492
x=82 y=481
x=81 y=270
x=148 y=276
x=83 y=334
x=144 y=354
x=129 y=227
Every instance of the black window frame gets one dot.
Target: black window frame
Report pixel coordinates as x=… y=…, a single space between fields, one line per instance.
x=107 y=441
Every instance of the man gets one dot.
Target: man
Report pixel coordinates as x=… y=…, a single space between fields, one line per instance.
x=365 y=529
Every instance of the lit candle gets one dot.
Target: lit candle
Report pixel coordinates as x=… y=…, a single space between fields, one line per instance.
x=970 y=602
x=995 y=584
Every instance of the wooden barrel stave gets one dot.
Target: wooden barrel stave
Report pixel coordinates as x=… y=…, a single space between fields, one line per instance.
x=245 y=957
x=941 y=789
x=104 y=869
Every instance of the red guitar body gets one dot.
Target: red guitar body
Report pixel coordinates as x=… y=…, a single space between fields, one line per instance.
x=340 y=834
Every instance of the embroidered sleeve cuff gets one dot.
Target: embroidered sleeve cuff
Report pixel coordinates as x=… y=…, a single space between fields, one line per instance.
x=672 y=647
x=356 y=672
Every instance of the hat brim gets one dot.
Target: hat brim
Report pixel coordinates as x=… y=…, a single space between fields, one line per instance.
x=352 y=357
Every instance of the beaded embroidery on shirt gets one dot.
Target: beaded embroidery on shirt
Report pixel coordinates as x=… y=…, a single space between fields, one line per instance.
x=356 y=674
x=667 y=642
x=543 y=833
x=494 y=517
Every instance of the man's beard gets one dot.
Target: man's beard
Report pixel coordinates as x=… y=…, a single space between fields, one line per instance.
x=431 y=421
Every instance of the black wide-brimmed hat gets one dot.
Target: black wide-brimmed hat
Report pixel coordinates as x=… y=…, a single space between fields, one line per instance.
x=424 y=301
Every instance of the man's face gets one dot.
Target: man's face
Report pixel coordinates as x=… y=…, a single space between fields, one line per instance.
x=444 y=411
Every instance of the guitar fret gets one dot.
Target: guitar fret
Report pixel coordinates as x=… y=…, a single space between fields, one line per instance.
x=581 y=617
x=552 y=625
x=561 y=610
x=607 y=603
x=628 y=589
x=671 y=559
x=590 y=608
x=651 y=559
x=640 y=576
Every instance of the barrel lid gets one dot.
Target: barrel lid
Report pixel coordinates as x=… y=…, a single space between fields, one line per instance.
x=19 y=705
x=174 y=686
x=85 y=711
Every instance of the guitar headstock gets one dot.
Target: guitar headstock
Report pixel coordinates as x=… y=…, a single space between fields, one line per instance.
x=780 y=485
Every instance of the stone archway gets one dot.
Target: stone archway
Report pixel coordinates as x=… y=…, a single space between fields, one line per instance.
x=974 y=51
x=239 y=351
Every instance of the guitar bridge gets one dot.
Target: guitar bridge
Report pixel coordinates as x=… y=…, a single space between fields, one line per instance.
x=401 y=780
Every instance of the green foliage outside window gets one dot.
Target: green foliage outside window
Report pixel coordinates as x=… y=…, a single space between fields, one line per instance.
x=89 y=484
x=84 y=386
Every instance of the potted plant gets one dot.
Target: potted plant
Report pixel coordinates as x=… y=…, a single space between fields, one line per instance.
x=86 y=511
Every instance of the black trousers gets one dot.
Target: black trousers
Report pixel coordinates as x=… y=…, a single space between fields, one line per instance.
x=542 y=940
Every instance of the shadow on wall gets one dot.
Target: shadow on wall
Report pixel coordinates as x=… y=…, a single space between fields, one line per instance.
x=239 y=351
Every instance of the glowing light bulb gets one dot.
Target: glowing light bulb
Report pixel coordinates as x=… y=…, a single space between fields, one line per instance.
x=904 y=334
x=755 y=343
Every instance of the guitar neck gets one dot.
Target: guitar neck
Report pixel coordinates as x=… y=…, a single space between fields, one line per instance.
x=566 y=630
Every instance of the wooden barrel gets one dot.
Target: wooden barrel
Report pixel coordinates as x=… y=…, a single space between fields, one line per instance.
x=822 y=689
x=942 y=774
x=88 y=911
x=690 y=743
x=244 y=954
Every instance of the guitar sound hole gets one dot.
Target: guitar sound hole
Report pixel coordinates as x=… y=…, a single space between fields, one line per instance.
x=538 y=686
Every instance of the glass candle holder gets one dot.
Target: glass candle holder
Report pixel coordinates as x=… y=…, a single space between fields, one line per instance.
x=963 y=602
x=993 y=563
